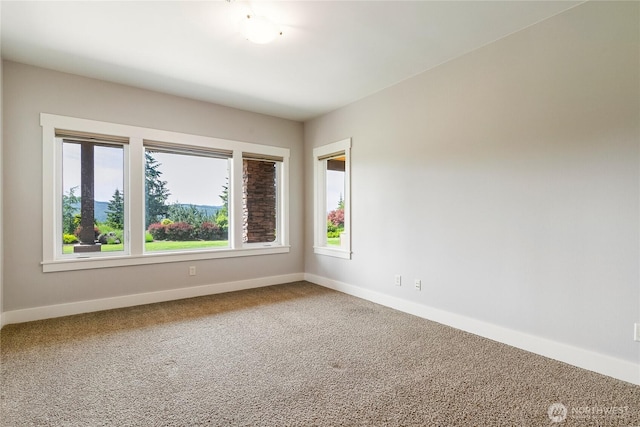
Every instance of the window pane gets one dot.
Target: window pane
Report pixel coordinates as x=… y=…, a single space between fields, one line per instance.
x=186 y=201
x=335 y=190
x=259 y=201
x=97 y=203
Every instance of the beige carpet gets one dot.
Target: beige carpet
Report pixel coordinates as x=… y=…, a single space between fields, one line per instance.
x=288 y=355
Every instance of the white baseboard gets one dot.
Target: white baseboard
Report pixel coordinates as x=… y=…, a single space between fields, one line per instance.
x=59 y=310
x=586 y=359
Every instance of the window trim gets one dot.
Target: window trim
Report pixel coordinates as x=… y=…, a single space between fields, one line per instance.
x=57 y=236
x=320 y=154
x=280 y=225
x=134 y=194
x=167 y=148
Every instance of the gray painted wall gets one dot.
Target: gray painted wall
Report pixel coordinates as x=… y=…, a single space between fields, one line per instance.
x=1 y=191
x=29 y=91
x=507 y=180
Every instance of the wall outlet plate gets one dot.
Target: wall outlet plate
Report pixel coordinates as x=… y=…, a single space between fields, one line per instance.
x=417 y=283
x=398 y=280
x=636 y=332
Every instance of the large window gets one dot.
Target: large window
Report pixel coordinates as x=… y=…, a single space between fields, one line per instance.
x=332 y=222
x=92 y=202
x=115 y=195
x=186 y=196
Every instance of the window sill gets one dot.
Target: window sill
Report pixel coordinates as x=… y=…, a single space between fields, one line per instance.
x=337 y=253
x=156 y=258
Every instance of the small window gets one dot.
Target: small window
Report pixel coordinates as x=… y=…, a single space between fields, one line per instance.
x=92 y=199
x=332 y=200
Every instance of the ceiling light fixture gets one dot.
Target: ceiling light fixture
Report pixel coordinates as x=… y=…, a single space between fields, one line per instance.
x=259 y=29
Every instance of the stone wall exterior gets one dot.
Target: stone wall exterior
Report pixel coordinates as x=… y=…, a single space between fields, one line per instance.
x=258 y=201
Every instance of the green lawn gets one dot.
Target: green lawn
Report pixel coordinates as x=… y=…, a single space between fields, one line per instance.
x=333 y=241
x=173 y=246
x=161 y=246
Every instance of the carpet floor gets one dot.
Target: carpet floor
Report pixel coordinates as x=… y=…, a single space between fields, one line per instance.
x=289 y=355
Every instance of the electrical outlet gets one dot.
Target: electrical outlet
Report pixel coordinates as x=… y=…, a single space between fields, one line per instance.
x=417 y=283
x=636 y=330
x=398 y=280
x=192 y=270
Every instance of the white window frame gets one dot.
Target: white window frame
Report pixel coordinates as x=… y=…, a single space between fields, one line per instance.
x=320 y=200
x=52 y=259
x=281 y=204
x=57 y=181
x=180 y=150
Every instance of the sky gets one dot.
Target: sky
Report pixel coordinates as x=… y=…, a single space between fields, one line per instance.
x=190 y=179
x=193 y=180
x=335 y=189
x=108 y=170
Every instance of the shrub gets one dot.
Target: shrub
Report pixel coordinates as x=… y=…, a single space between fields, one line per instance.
x=333 y=230
x=180 y=231
x=76 y=220
x=166 y=221
x=148 y=237
x=110 y=235
x=210 y=231
x=110 y=238
x=69 y=238
x=158 y=231
x=336 y=217
x=331 y=234
x=106 y=228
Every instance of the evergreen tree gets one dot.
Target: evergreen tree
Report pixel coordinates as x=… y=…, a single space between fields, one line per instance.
x=156 y=191
x=222 y=217
x=115 y=211
x=70 y=203
x=190 y=214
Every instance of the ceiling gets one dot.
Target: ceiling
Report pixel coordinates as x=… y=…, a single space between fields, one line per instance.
x=330 y=53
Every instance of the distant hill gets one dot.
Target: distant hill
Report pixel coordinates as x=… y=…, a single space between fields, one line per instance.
x=208 y=210
x=100 y=209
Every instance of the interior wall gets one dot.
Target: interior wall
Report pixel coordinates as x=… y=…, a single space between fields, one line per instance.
x=29 y=91
x=1 y=209
x=506 y=180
